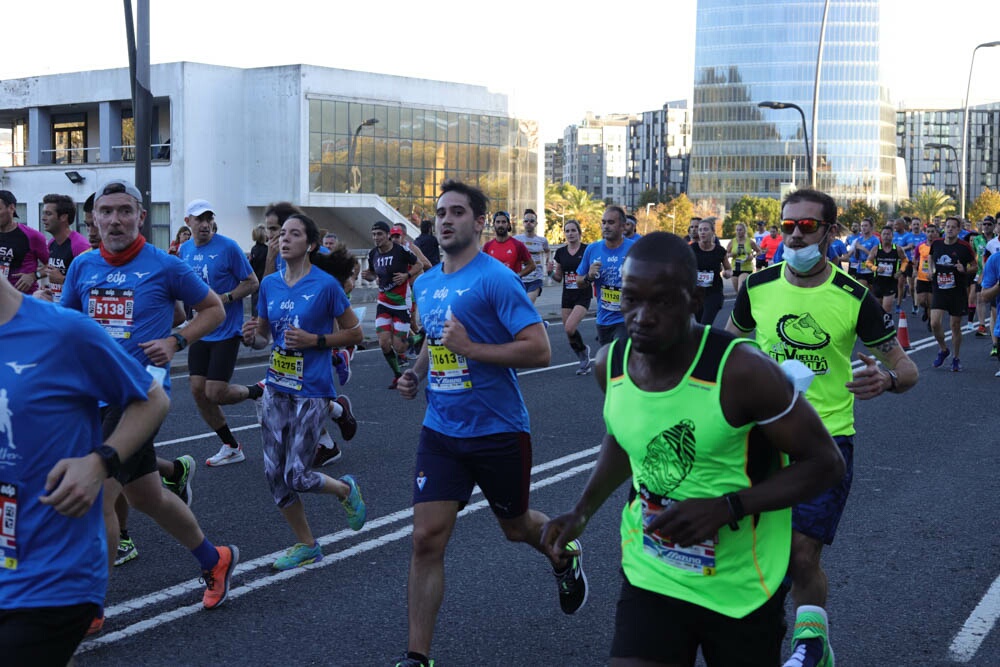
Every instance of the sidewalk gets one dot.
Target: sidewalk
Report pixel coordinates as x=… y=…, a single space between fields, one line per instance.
x=549 y=306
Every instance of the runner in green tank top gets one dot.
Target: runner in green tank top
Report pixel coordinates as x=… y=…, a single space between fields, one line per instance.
x=706 y=532
x=742 y=250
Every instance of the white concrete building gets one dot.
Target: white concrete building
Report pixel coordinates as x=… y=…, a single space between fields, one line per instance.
x=348 y=147
x=595 y=156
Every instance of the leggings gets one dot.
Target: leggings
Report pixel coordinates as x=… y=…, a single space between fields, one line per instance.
x=290 y=426
x=710 y=307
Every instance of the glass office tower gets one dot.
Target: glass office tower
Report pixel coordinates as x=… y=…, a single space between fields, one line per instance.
x=751 y=51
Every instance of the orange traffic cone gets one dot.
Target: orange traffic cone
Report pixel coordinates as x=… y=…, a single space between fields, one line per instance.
x=903 y=330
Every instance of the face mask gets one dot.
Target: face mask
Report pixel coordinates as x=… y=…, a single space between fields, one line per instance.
x=801 y=260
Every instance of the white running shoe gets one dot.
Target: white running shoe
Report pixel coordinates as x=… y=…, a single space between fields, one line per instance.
x=586 y=365
x=225 y=456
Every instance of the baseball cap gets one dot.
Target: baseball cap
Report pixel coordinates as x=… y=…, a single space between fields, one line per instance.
x=8 y=199
x=381 y=225
x=118 y=185
x=398 y=229
x=197 y=207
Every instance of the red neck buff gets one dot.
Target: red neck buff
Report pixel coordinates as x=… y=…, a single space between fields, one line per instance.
x=126 y=255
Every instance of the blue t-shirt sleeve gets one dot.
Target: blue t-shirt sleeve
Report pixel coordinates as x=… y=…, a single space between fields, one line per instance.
x=513 y=307
x=778 y=254
x=991 y=272
x=185 y=285
x=338 y=300
x=71 y=292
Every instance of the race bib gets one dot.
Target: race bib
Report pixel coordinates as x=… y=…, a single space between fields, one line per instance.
x=56 y=290
x=4 y=270
x=885 y=269
x=611 y=298
x=8 y=530
x=112 y=308
x=705 y=278
x=698 y=558
x=569 y=281
x=945 y=280
x=448 y=371
x=287 y=368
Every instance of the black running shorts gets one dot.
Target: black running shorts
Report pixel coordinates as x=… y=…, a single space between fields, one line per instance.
x=214 y=360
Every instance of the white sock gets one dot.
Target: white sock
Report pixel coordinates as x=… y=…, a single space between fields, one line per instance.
x=326 y=441
x=336 y=409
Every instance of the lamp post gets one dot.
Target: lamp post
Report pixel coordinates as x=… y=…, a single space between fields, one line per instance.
x=805 y=132
x=951 y=148
x=353 y=173
x=965 y=129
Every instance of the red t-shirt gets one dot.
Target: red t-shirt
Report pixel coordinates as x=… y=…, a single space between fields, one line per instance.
x=512 y=253
x=770 y=245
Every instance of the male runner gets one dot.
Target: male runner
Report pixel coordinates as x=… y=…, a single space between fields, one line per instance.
x=220 y=262
x=415 y=337
x=980 y=243
x=508 y=250
x=602 y=262
x=58 y=213
x=53 y=576
x=630 y=225
x=23 y=250
x=705 y=534
x=480 y=326
x=538 y=247
x=862 y=248
x=807 y=309
x=391 y=266
x=129 y=287
x=953 y=262
x=911 y=241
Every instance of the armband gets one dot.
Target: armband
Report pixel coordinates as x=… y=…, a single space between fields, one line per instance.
x=736 y=511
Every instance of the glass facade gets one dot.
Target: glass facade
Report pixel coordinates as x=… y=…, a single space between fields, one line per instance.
x=404 y=154
x=750 y=51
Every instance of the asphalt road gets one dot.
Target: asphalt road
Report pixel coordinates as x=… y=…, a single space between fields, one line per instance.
x=915 y=555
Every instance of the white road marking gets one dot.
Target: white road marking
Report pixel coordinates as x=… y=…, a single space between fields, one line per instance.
x=979 y=624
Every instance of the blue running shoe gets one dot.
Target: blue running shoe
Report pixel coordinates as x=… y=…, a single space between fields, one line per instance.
x=353 y=504
x=941 y=356
x=956 y=365
x=298 y=556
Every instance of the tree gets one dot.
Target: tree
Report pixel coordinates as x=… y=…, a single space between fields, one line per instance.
x=928 y=204
x=857 y=211
x=565 y=202
x=987 y=203
x=672 y=216
x=650 y=196
x=749 y=210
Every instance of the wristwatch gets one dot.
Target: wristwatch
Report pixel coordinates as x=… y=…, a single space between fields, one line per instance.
x=320 y=340
x=38 y=274
x=110 y=459
x=181 y=341
x=893 y=379
x=229 y=297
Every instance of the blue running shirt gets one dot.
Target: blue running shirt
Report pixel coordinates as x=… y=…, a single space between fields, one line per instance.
x=57 y=365
x=312 y=304
x=222 y=265
x=608 y=285
x=134 y=302
x=468 y=398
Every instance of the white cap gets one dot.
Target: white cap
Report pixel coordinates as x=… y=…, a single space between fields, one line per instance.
x=197 y=207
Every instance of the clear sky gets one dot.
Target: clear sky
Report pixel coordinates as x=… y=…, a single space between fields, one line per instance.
x=554 y=60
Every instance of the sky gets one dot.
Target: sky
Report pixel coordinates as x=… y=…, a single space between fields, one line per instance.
x=553 y=60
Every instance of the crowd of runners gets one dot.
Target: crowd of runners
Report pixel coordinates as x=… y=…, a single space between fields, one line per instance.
x=711 y=544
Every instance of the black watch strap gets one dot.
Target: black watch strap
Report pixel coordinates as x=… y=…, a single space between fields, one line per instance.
x=320 y=340
x=181 y=341
x=736 y=511
x=109 y=456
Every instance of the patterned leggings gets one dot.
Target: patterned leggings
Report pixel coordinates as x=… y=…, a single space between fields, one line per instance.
x=289 y=431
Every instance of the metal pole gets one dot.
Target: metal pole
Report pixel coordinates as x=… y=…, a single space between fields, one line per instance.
x=815 y=109
x=965 y=131
x=805 y=138
x=143 y=114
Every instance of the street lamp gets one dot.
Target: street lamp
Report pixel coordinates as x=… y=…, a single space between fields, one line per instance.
x=805 y=132
x=951 y=148
x=965 y=129
x=353 y=173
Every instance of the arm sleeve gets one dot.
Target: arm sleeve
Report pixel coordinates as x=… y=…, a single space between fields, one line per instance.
x=71 y=291
x=874 y=324
x=79 y=244
x=40 y=247
x=990 y=271
x=522 y=252
x=742 y=317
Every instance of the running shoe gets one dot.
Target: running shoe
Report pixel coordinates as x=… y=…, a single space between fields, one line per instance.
x=217 y=579
x=941 y=356
x=913 y=310
x=956 y=365
x=225 y=456
x=545 y=323
x=96 y=626
x=346 y=421
x=182 y=489
x=981 y=331
x=898 y=309
x=997 y=374
x=353 y=504
x=326 y=455
x=298 y=556
x=586 y=365
x=126 y=551
x=413 y=662
x=402 y=360
x=572 y=581
x=810 y=642
x=344 y=367
x=993 y=351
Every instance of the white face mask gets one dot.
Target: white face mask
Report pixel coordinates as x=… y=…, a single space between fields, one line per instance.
x=802 y=260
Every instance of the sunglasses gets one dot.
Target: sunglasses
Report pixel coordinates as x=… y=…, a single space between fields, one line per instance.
x=807 y=225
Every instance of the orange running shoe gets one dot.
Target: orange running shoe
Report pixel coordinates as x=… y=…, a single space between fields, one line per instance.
x=217 y=579
x=96 y=626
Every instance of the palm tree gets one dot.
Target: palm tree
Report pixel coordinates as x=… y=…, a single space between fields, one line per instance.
x=929 y=204
x=565 y=202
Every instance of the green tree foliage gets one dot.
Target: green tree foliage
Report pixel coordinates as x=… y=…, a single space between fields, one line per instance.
x=749 y=210
x=928 y=204
x=987 y=203
x=564 y=202
x=650 y=196
x=857 y=211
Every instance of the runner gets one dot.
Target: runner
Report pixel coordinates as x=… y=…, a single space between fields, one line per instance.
x=912 y=240
x=769 y=244
x=575 y=300
x=297 y=310
x=953 y=262
x=480 y=326
x=861 y=249
x=886 y=261
x=809 y=310
x=538 y=247
x=980 y=244
x=678 y=423
x=923 y=285
x=506 y=249
x=713 y=266
x=852 y=263
x=603 y=260
x=23 y=250
x=742 y=251
x=58 y=214
x=52 y=542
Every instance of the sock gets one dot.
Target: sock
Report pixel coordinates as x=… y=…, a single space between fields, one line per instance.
x=336 y=409
x=207 y=555
x=424 y=660
x=393 y=361
x=325 y=440
x=123 y=534
x=808 y=651
x=255 y=391
x=576 y=342
x=227 y=436
x=972 y=313
x=175 y=476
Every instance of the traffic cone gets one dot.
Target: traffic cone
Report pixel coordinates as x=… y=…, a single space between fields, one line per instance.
x=903 y=330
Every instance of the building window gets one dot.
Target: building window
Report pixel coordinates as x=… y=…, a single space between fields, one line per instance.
x=69 y=138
